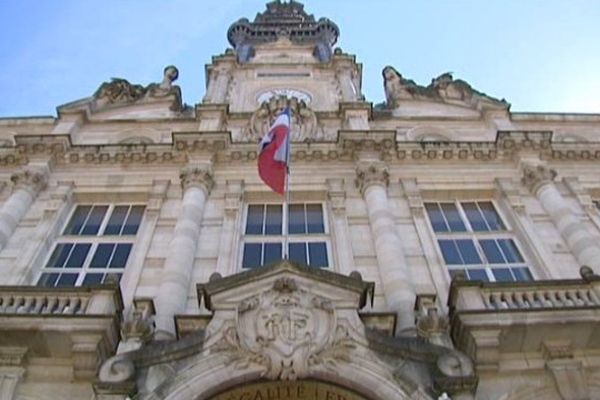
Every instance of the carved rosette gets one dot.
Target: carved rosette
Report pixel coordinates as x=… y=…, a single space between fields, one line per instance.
x=287 y=331
x=304 y=124
x=31 y=180
x=535 y=176
x=369 y=174
x=197 y=176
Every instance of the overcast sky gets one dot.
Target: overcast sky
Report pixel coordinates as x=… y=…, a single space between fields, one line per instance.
x=541 y=55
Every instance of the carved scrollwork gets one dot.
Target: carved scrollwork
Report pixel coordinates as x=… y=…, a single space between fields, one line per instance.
x=199 y=176
x=286 y=331
x=119 y=368
x=31 y=179
x=304 y=124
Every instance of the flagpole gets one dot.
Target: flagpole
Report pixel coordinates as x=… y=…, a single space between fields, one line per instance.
x=286 y=198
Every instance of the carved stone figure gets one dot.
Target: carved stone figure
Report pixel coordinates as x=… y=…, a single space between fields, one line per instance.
x=396 y=87
x=120 y=92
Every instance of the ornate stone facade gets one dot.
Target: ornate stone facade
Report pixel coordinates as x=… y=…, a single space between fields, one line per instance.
x=476 y=230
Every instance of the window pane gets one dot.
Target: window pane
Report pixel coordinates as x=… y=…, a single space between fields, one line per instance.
x=491 y=216
x=133 y=220
x=296 y=223
x=502 y=275
x=59 y=255
x=435 y=216
x=272 y=252
x=314 y=218
x=120 y=257
x=452 y=217
x=252 y=255
x=254 y=222
x=468 y=252
x=78 y=255
x=510 y=251
x=48 y=279
x=273 y=220
x=92 y=279
x=450 y=252
x=492 y=251
x=477 y=275
x=92 y=226
x=475 y=217
x=298 y=253
x=77 y=220
x=522 y=274
x=66 y=280
x=116 y=220
x=318 y=254
x=102 y=255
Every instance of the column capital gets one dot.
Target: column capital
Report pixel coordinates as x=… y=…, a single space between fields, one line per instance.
x=535 y=176
x=371 y=173
x=200 y=176
x=30 y=179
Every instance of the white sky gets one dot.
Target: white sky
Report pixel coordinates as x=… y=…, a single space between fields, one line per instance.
x=541 y=55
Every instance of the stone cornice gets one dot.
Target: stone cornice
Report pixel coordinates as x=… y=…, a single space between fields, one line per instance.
x=349 y=143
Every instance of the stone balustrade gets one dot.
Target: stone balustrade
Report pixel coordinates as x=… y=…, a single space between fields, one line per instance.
x=493 y=321
x=525 y=296
x=57 y=301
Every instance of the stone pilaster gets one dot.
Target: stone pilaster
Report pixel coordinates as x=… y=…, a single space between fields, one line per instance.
x=231 y=219
x=349 y=91
x=26 y=186
x=539 y=180
x=341 y=234
x=217 y=86
x=372 y=180
x=11 y=370
x=197 y=182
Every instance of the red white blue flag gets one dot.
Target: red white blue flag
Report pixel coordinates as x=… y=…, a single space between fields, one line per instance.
x=274 y=151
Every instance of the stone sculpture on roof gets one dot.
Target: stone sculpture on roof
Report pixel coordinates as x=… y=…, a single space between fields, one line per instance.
x=443 y=88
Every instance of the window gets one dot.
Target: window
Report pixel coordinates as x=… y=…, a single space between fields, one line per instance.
x=265 y=230
x=95 y=245
x=473 y=240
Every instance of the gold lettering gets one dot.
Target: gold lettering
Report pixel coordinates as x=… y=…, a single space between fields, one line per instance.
x=329 y=395
x=258 y=396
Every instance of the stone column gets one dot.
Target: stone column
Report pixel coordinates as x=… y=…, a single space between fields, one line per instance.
x=372 y=180
x=233 y=198
x=27 y=185
x=171 y=299
x=539 y=180
x=11 y=370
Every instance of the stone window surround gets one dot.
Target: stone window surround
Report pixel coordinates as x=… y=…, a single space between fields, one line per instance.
x=293 y=238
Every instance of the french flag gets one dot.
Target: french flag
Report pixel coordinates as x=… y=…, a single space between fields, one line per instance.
x=273 y=154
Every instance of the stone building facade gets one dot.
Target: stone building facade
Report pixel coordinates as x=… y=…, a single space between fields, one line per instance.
x=440 y=245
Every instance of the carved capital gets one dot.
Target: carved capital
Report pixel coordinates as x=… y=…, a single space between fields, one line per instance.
x=535 y=176
x=12 y=356
x=197 y=176
x=371 y=173
x=31 y=179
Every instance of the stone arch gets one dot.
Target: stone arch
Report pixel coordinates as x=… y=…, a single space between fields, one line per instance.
x=136 y=140
x=428 y=133
x=216 y=373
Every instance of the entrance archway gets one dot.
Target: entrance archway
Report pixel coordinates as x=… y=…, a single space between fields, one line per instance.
x=289 y=390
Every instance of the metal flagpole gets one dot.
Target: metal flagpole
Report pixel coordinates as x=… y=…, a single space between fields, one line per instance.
x=286 y=198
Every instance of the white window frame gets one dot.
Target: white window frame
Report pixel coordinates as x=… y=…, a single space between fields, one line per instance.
x=324 y=237
x=475 y=237
x=94 y=240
